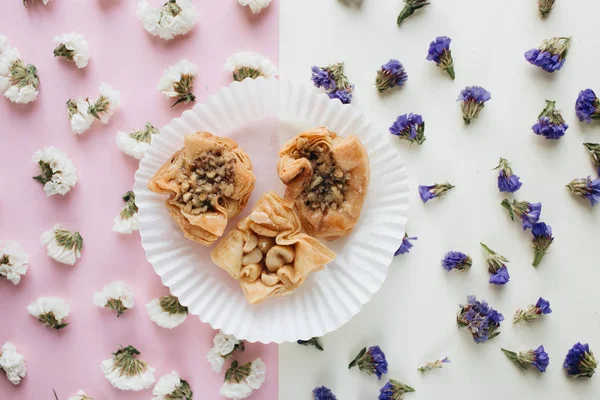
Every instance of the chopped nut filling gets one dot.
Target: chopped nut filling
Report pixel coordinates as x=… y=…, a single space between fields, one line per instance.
x=262 y=259
x=205 y=181
x=328 y=185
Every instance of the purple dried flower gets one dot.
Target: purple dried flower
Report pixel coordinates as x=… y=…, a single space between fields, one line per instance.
x=473 y=100
x=334 y=81
x=323 y=393
x=410 y=8
x=533 y=311
x=410 y=127
x=528 y=212
x=433 y=191
x=371 y=361
x=394 y=390
x=580 y=361
x=594 y=149
x=406 y=245
x=437 y=364
x=439 y=52
x=545 y=7
x=456 y=260
x=587 y=106
x=481 y=320
x=390 y=75
x=551 y=55
x=538 y=358
x=321 y=78
x=586 y=188
x=496 y=266
x=507 y=181
x=550 y=122
x=345 y=96
x=542 y=239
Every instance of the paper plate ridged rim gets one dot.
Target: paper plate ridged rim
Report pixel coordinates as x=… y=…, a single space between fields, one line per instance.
x=328 y=298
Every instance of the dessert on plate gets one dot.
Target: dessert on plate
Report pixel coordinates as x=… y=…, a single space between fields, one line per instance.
x=208 y=181
x=327 y=178
x=267 y=253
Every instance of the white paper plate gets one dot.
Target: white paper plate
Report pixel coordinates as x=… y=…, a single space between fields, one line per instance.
x=261 y=115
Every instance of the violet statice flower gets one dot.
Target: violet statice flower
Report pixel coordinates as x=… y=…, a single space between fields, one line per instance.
x=481 y=320
x=456 y=260
x=507 y=181
x=550 y=122
x=551 y=55
x=406 y=245
x=394 y=390
x=409 y=127
x=345 y=96
x=473 y=100
x=496 y=266
x=528 y=212
x=545 y=7
x=321 y=78
x=542 y=239
x=594 y=149
x=434 y=191
x=580 y=361
x=439 y=52
x=410 y=8
x=437 y=364
x=586 y=188
x=390 y=75
x=311 y=342
x=334 y=81
x=371 y=361
x=323 y=393
x=587 y=106
x=537 y=358
x=532 y=312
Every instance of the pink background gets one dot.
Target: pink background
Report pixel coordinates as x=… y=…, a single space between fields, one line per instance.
x=132 y=61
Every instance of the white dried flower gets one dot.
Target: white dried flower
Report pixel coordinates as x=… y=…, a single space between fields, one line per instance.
x=223 y=348
x=81 y=395
x=255 y=5
x=116 y=296
x=135 y=143
x=171 y=387
x=178 y=81
x=249 y=64
x=63 y=245
x=106 y=104
x=215 y=359
x=124 y=371
x=175 y=17
x=240 y=380
x=257 y=376
x=127 y=221
x=57 y=173
x=13 y=261
x=72 y=47
x=167 y=312
x=18 y=81
x=50 y=311
x=12 y=363
x=235 y=391
x=79 y=115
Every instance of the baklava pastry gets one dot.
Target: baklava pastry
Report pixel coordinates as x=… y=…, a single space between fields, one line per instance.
x=208 y=182
x=267 y=252
x=327 y=178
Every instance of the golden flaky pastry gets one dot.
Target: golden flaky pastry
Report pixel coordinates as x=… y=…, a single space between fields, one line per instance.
x=267 y=253
x=327 y=178
x=208 y=182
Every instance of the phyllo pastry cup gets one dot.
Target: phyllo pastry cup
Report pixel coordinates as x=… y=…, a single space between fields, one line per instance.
x=327 y=178
x=267 y=253
x=208 y=182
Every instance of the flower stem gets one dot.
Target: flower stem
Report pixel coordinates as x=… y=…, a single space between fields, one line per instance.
x=450 y=71
x=539 y=255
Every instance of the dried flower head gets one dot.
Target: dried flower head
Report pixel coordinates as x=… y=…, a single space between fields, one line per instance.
x=496 y=266
x=72 y=47
x=172 y=387
x=371 y=361
x=587 y=106
x=586 y=188
x=323 y=393
x=224 y=347
x=434 y=191
x=13 y=261
x=255 y=6
x=391 y=74
x=550 y=122
x=545 y=7
x=174 y=18
x=106 y=104
x=551 y=54
x=473 y=101
x=63 y=245
x=81 y=395
x=528 y=212
x=439 y=52
x=19 y=81
x=481 y=320
x=126 y=372
x=542 y=239
x=50 y=311
x=117 y=296
x=580 y=361
x=167 y=312
x=456 y=260
x=136 y=142
x=311 y=342
x=241 y=380
x=594 y=149
x=79 y=115
x=437 y=364
x=532 y=312
x=12 y=363
x=406 y=245
x=249 y=64
x=178 y=81
x=57 y=172
x=409 y=127
x=537 y=358
x=410 y=8
x=394 y=390
x=334 y=81
x=127 y=221
x=507 y=180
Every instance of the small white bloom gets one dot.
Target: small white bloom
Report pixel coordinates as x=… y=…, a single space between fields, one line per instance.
x=106 y=104
x=171 y=386
x=63 y=245
x=223 y=348
x=57 y=173
x=127 y=221
x=136 y=143
x=79 y=116
x=167 y=312
x=249 y=64
x=13 y=261
x=255 y=5
x=215 y=359
x=116 y=296
x=257 y=375
x=50 y=311
x=21 y=95
x=18 y=81
x=178 y=81
x=175 y=17
x=124 y=371
x=81 y=395
x=224 y=343
x=72 y=47
x=235 y=391
x=12 y=363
